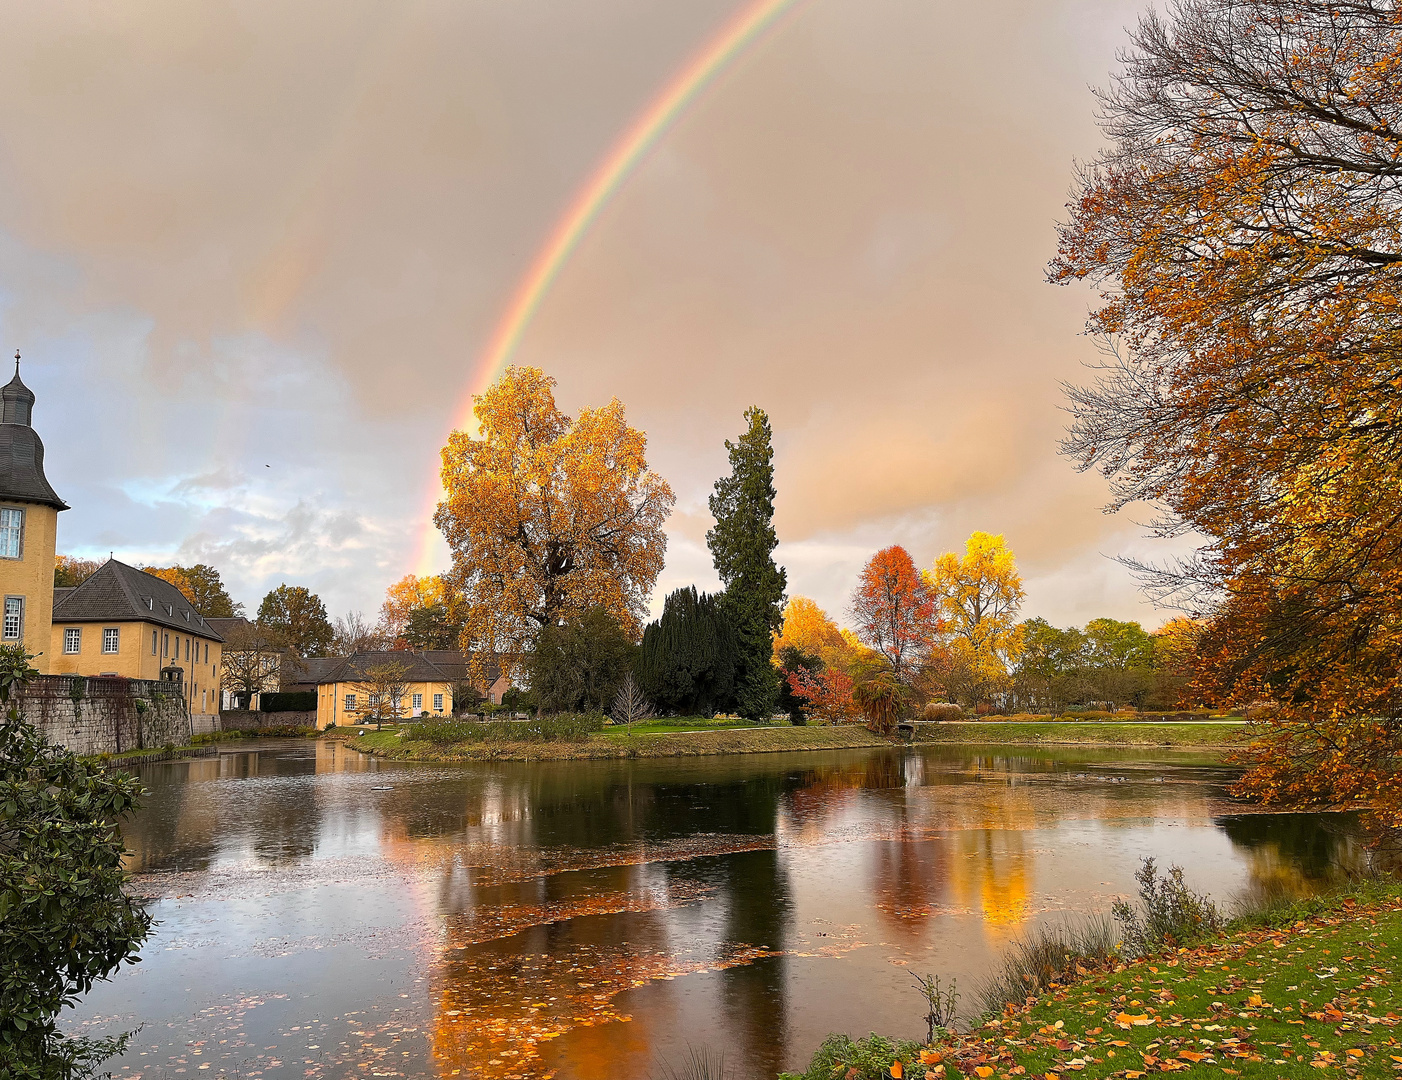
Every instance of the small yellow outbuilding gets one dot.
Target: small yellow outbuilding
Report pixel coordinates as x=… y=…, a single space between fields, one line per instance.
x=415 y=682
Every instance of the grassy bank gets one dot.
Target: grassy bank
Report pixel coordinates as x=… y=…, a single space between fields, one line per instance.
x=695 y=743
x=1064 y=733
x=1313 y=990
x=696 y=737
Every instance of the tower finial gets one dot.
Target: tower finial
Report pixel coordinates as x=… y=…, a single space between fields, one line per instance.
x=16 y=361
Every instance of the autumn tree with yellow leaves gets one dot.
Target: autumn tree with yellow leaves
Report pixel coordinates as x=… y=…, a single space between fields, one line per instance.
x=548 y=516
x=979 y=596
x=410 y=593
x=1244 y=230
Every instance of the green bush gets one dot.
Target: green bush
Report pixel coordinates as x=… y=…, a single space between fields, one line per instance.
x=65 y=919
x=1169 y=915
x=301 y=701
x=860 y=1059
x=566 y=727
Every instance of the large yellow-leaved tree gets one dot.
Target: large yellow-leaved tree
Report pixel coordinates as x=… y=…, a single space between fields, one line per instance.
x=979 y=598
x=548 y=516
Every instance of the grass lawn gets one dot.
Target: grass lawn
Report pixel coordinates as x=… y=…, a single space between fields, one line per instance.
x=694 y=741
x=1099 y=733
x=1317 y=996
x=1308 y=996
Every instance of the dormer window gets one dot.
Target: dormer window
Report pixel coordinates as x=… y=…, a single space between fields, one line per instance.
x=187 y=616
x=150 y=604
x=170 y=611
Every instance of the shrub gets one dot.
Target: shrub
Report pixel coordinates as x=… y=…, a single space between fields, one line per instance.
x=860 y=1059
x=939 y=711
x=1169 y=915
x=66 y=920
x=566 y=727
x=1048 y=956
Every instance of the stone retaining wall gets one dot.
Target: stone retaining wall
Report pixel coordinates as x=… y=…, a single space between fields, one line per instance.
x=256 y=720
x=106 y=715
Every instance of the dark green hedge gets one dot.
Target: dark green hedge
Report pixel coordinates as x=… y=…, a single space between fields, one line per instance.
x=302 y=701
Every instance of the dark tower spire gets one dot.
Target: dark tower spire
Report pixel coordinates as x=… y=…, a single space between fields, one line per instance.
x=21 y=451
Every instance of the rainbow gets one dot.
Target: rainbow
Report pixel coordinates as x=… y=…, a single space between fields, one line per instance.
x=739 y=33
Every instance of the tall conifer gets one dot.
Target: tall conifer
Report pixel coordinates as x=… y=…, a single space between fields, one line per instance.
x=742 y=546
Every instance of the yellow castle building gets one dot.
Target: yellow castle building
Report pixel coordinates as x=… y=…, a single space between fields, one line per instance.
x=120 y=621
x=29 y=510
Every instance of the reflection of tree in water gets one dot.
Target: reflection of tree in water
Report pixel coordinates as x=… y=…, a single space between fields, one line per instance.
x=1296 y=854
x=990 y=870
x=911 y=871
x=758 y=913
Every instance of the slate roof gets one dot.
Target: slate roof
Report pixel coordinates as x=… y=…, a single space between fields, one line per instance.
x=21 y=450
x=435 y=665
x=117 y=592
x=307 y=674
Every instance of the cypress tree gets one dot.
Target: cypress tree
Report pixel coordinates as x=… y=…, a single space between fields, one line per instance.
x=742 y=547
x=687 y=661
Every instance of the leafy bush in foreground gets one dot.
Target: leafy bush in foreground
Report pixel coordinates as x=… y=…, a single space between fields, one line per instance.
x=1170 y=915
x=566 y=727
x=65 y=921
x=861 y=1059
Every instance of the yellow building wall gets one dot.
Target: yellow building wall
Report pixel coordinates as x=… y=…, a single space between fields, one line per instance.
x=331 y=702
x=32 y=577
x=135 y=659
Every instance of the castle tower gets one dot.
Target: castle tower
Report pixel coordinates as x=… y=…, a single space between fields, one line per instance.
x=28 y=527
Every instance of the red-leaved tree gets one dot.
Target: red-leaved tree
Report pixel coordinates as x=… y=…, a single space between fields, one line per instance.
x=826 y=695
x=894 y=611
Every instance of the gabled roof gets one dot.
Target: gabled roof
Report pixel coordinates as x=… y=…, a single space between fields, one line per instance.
x=310 y=672
x=436 y=665
x=117 y=592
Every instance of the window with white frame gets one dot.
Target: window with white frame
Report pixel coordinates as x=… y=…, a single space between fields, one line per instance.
x=110 y=640
x=418 y=701
x=437 y=702
x=350 y=701
x=11 y=533
x=72 y=641
x=13 y=628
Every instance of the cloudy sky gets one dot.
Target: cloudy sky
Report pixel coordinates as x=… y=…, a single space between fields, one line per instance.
x=253 y=254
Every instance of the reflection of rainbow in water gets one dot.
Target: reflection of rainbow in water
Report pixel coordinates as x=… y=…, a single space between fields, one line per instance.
x=746 y=27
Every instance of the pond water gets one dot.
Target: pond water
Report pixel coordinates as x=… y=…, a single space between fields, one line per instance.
x=325 y=914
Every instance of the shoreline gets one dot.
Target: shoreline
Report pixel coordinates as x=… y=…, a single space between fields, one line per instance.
x=768 y=740
x=1305 y=987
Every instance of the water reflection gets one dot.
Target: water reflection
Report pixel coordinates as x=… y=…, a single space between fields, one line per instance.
x=584 y=919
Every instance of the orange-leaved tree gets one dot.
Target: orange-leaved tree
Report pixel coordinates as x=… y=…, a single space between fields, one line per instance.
x=894 y=611
x=407 y=595
x=1244 y=228
x=548 y=516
